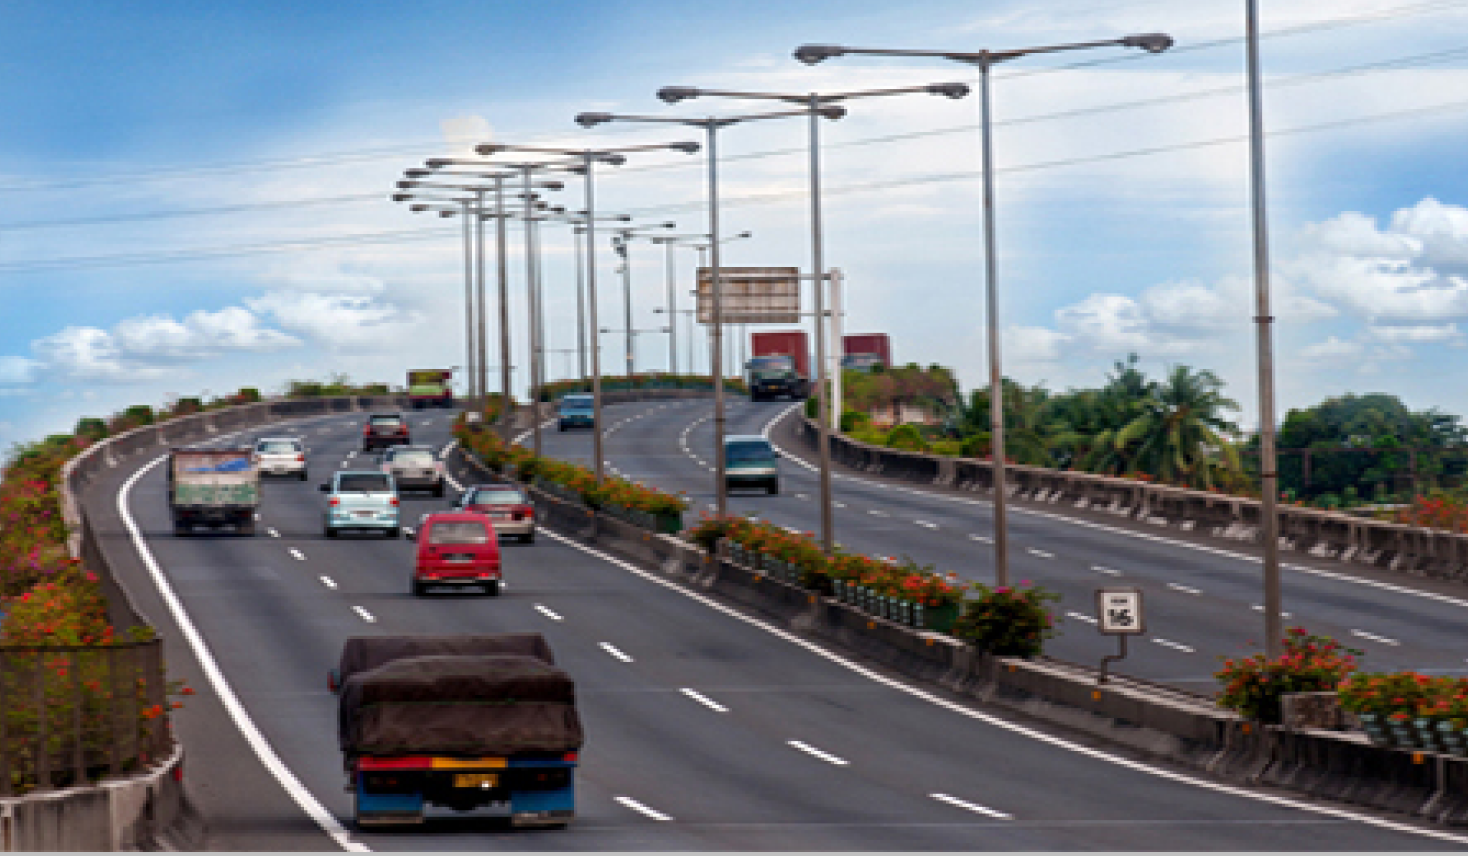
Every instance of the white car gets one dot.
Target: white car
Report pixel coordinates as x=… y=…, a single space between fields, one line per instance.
x=280 y=456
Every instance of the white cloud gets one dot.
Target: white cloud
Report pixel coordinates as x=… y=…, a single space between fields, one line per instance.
x=1033 y=344
x=91 y=354
x=1332 y=349
x=342 y=322
x=1448 y=334
x=17 y=369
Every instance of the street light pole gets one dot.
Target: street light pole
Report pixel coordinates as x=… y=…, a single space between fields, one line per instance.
x=1150 y=42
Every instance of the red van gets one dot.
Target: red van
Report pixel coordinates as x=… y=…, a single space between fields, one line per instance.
x=456 y=548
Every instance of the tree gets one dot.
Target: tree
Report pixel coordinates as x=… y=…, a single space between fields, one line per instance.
x=1181 y=435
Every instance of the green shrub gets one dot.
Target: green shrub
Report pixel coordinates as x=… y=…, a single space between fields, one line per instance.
x=91 y=428
x=907 y=438
x=1007 y=622
x=854 y=420
x=1253 y=685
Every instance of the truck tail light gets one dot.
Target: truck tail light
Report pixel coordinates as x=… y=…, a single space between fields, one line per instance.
x=393 y=501
x=333 y=501
x=301 y=458
x=400 y=762
x=569 y=757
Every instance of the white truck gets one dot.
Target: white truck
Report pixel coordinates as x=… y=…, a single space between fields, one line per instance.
x=213 y=487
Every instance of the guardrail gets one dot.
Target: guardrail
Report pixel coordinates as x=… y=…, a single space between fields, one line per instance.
x=1414 y=550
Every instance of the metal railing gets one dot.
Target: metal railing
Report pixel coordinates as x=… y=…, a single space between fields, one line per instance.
x=72 y=715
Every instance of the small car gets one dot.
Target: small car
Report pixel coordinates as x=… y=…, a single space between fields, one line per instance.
x=384 y=429
x=280 y=456
x=414 y=468
x=505 y=504
x=576 y=411
x=750 y=461
x=456 y=548
x=361 y=500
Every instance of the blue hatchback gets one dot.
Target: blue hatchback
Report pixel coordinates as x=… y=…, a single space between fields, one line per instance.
x=576 y=411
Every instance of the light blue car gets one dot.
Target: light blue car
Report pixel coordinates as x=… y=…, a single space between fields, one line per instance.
x=750 y=461
x=576 y=411
x=361 y=500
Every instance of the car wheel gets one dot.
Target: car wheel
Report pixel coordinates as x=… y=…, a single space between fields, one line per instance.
x=492 y=588
x=246 y=528
x=331 y=531
x=418 y=588
x=303 y=475
x=394 y=532
x=438 y=489
x=529 y=538
x=772 y=488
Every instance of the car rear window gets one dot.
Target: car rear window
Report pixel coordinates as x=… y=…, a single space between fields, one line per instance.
x=387 y=420
x=278 y=446
x=413 y=459
x=747 y=453
x=578 y=403
x=458 y=532
x=363 y=483
x=497 y=496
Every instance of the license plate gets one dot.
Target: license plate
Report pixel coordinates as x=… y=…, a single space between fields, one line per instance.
x=363 y=513
x=458 y=557
x=476 y=780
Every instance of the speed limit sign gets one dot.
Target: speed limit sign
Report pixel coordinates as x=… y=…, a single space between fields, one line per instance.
x=1119 y=611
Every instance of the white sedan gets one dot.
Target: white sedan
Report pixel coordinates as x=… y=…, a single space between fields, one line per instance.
x=280 y=456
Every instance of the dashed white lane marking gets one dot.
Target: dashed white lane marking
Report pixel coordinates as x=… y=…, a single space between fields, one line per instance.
x=973 y=807
x=1079 y=617
x=1184 y=589
x=926 y=523
x=1112 y=571
x=878 y=512
x=328 y=582
x=641 y=809
x=839 y=504
x=704 y=700
x=612 y=649
x=273 y=533
x=1167 y=643
x=546 y=611
x=1374 y=638
x=1040 y=553
x=1259 y=607
x=984 y=538
x=802 y=496
x=297 y=555
x=366 y=616
x=811 y=750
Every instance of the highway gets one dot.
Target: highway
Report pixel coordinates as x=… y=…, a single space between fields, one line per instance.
x=707 y=728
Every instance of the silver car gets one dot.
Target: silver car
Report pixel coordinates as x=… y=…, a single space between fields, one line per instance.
x=414 y=468
x=361 y=501
x=280 y=456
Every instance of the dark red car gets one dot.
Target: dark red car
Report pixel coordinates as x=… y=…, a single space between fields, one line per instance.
x=456 y=548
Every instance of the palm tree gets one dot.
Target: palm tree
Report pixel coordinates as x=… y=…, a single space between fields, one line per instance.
x=1180 y=435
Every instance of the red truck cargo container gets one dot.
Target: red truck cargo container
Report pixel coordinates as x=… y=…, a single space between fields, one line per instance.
x=788 y=342
x=868 y=343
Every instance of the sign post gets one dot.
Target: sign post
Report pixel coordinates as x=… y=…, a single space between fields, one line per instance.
x=1119 y=614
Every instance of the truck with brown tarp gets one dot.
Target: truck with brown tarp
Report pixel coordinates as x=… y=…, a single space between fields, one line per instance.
x=455 y=726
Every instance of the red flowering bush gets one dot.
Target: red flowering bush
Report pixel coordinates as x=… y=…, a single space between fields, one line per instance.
x=1008 y=621
x=1253 y=685
x=1436 y=512
x=1405 y=695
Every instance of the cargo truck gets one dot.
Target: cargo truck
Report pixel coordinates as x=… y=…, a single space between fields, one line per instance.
x=430 y=388
x=457 y=726
x=864 y=349
x=779 y=365
x=213 y=487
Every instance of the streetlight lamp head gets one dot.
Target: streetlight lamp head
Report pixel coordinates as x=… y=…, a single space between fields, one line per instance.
x=1149 y=42
x=623 y=218
x=404 y=185
x=417 y=173
x=591 y=120
x=951 y=90
x=668 y=225
x=489 y=148
x=446 y=213
x=744 y=234
x=833 y=112
x=437 y=163
x=674 y=94
x=812 y=54
x=401 y=197
x=554 y=185
x=612 y=159
x=685 y=148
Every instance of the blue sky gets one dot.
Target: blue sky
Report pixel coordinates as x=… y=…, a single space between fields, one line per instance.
x=193 y=197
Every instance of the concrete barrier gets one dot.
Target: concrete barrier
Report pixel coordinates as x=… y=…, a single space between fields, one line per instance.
x=1411 y=550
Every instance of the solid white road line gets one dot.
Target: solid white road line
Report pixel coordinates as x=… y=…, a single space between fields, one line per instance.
x=641 y=809
x=978 y=809
x=704 y=700
x=975 y=714
x=612 y=649
x=231 y=702
x=547 y=612
x=811 y=750
x=366 y=616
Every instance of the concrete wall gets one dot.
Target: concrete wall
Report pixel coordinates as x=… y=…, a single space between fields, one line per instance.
x=1410 y=550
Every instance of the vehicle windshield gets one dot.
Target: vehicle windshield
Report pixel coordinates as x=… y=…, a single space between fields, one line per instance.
x=577 y=402
x=749 y=453
x=363 y=483
x=415 y=458
x=496 y=496
x=387 y=420
x=277 y=447
x=771 y=364
x=458 y=532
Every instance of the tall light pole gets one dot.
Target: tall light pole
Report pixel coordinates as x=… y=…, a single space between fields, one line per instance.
x=1268 y=468
x=814 y=104
x=711 y=126
x=578 y=228
x=985 y=60
x=588 y=159
x=466 y=204
x=621 y=240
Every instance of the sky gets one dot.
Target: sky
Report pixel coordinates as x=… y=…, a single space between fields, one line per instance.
x=196 y=197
